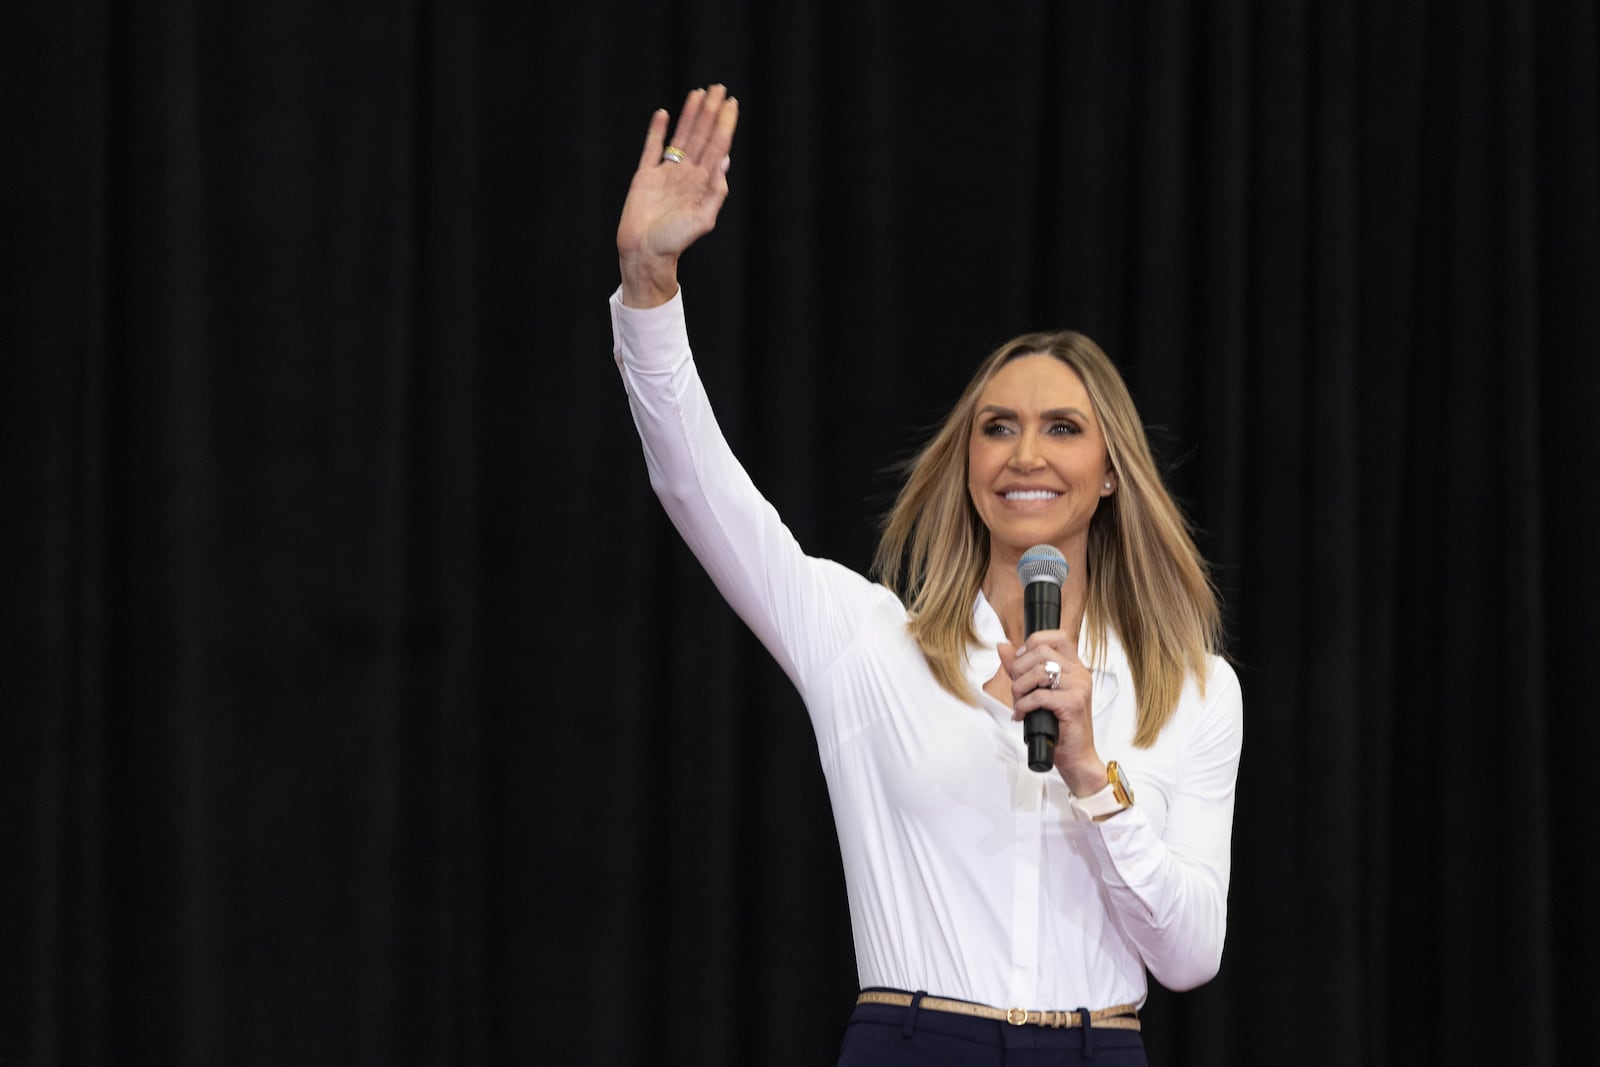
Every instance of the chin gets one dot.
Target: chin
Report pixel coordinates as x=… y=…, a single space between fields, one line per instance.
x=1020 y=541
x=1019 y=537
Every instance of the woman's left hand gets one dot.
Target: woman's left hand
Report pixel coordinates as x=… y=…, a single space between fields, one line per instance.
x=673 y=202
x=1071 y=701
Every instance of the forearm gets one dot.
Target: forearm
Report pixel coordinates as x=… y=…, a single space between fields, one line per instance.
x=1174 y=912
x=1169 y=891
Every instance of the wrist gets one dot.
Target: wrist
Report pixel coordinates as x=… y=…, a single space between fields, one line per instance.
x=1087 y=778
x=1100 y=798
x=647 y=280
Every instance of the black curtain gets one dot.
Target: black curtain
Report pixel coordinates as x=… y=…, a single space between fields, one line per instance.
x=359 y=705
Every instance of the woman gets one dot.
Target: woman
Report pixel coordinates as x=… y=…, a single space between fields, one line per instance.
x=993 y=908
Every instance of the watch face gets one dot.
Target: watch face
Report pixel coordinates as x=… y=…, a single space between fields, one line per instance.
x=1119 y=782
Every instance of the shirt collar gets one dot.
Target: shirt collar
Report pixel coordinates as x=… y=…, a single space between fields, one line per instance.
x=982 y=658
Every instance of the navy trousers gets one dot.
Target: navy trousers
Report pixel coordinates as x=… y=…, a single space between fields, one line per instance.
x=880 y=1035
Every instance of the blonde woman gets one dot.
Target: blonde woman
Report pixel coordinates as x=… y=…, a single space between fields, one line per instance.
x=993 y=907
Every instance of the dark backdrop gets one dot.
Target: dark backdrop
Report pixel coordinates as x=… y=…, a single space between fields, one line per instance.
x=359 y=705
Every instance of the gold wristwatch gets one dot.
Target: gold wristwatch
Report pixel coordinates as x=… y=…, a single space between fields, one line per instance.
x=1115 y=797
x=1121 y=788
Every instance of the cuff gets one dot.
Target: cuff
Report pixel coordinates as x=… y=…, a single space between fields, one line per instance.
x=649 y=339
x=1129 y=853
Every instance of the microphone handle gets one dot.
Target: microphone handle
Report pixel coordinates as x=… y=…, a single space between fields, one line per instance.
x=1040 y=729
x=1041 y=610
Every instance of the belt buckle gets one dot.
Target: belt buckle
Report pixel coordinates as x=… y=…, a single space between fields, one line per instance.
x=1016 y=1016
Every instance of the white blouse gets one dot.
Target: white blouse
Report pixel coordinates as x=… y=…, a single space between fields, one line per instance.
x=968 y=875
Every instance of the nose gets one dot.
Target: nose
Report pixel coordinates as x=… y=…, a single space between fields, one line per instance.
x=1025 y=456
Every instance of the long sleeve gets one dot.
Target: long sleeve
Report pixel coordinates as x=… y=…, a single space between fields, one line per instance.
x=1170 y=893
x=801 y=608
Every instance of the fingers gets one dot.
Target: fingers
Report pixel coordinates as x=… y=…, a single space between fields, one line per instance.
x=721 y=137
x=692 y=105
x=705 y=129
x=1029 y=670
x=655 y=139
x=1032 y=678
x=1071 y=703
x=704 y=132
x=696 y=129
x=1070 y=700
x=1029 y=691
x=1043 y=646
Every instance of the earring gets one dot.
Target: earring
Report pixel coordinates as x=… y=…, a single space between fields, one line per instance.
x=1107 y=484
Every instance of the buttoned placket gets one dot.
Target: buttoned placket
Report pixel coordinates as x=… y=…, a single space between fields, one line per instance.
x=1027 y=819
x=1028 y=805
x=1028 y=810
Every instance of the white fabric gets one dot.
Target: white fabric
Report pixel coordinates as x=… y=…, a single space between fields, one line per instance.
x=968 y=875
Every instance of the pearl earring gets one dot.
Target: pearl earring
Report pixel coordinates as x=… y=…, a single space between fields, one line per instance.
x=1108 y=485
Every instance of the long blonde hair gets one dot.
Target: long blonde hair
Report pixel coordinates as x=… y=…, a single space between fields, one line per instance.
x=1146 y=578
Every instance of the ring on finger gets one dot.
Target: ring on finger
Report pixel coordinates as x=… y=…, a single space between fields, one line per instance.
x=1052 y=672
x=673 y=154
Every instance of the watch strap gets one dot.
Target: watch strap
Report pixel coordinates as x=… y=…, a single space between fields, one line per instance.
x=1098 y=804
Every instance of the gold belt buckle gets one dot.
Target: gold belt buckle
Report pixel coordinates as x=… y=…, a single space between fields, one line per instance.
x=1016 y=1016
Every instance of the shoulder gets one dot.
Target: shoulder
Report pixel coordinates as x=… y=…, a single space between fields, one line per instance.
x=1214 y=706
x=1221 y=683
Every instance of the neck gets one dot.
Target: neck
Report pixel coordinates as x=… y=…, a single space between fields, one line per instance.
x=1002 y=588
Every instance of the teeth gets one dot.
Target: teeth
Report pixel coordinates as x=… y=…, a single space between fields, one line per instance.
x=1031 y=494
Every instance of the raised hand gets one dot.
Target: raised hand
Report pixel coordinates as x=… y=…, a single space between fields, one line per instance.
x=676 y=193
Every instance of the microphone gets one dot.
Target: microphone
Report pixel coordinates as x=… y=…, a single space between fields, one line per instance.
x=1043 y=571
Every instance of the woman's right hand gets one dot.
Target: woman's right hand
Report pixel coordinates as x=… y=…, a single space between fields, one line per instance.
x=672 y=205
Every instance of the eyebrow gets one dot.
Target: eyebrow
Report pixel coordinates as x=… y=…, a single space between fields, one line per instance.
x=1053 y=413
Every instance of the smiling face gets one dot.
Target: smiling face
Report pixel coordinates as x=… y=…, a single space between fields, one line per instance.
x=1036 y=458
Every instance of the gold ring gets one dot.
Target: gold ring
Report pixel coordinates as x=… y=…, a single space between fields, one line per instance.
x=673 y=155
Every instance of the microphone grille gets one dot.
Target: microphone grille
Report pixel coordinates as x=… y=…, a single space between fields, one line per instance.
x=1042 y=563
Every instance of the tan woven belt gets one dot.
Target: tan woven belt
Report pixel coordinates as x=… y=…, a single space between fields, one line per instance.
x=1124 y=1017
